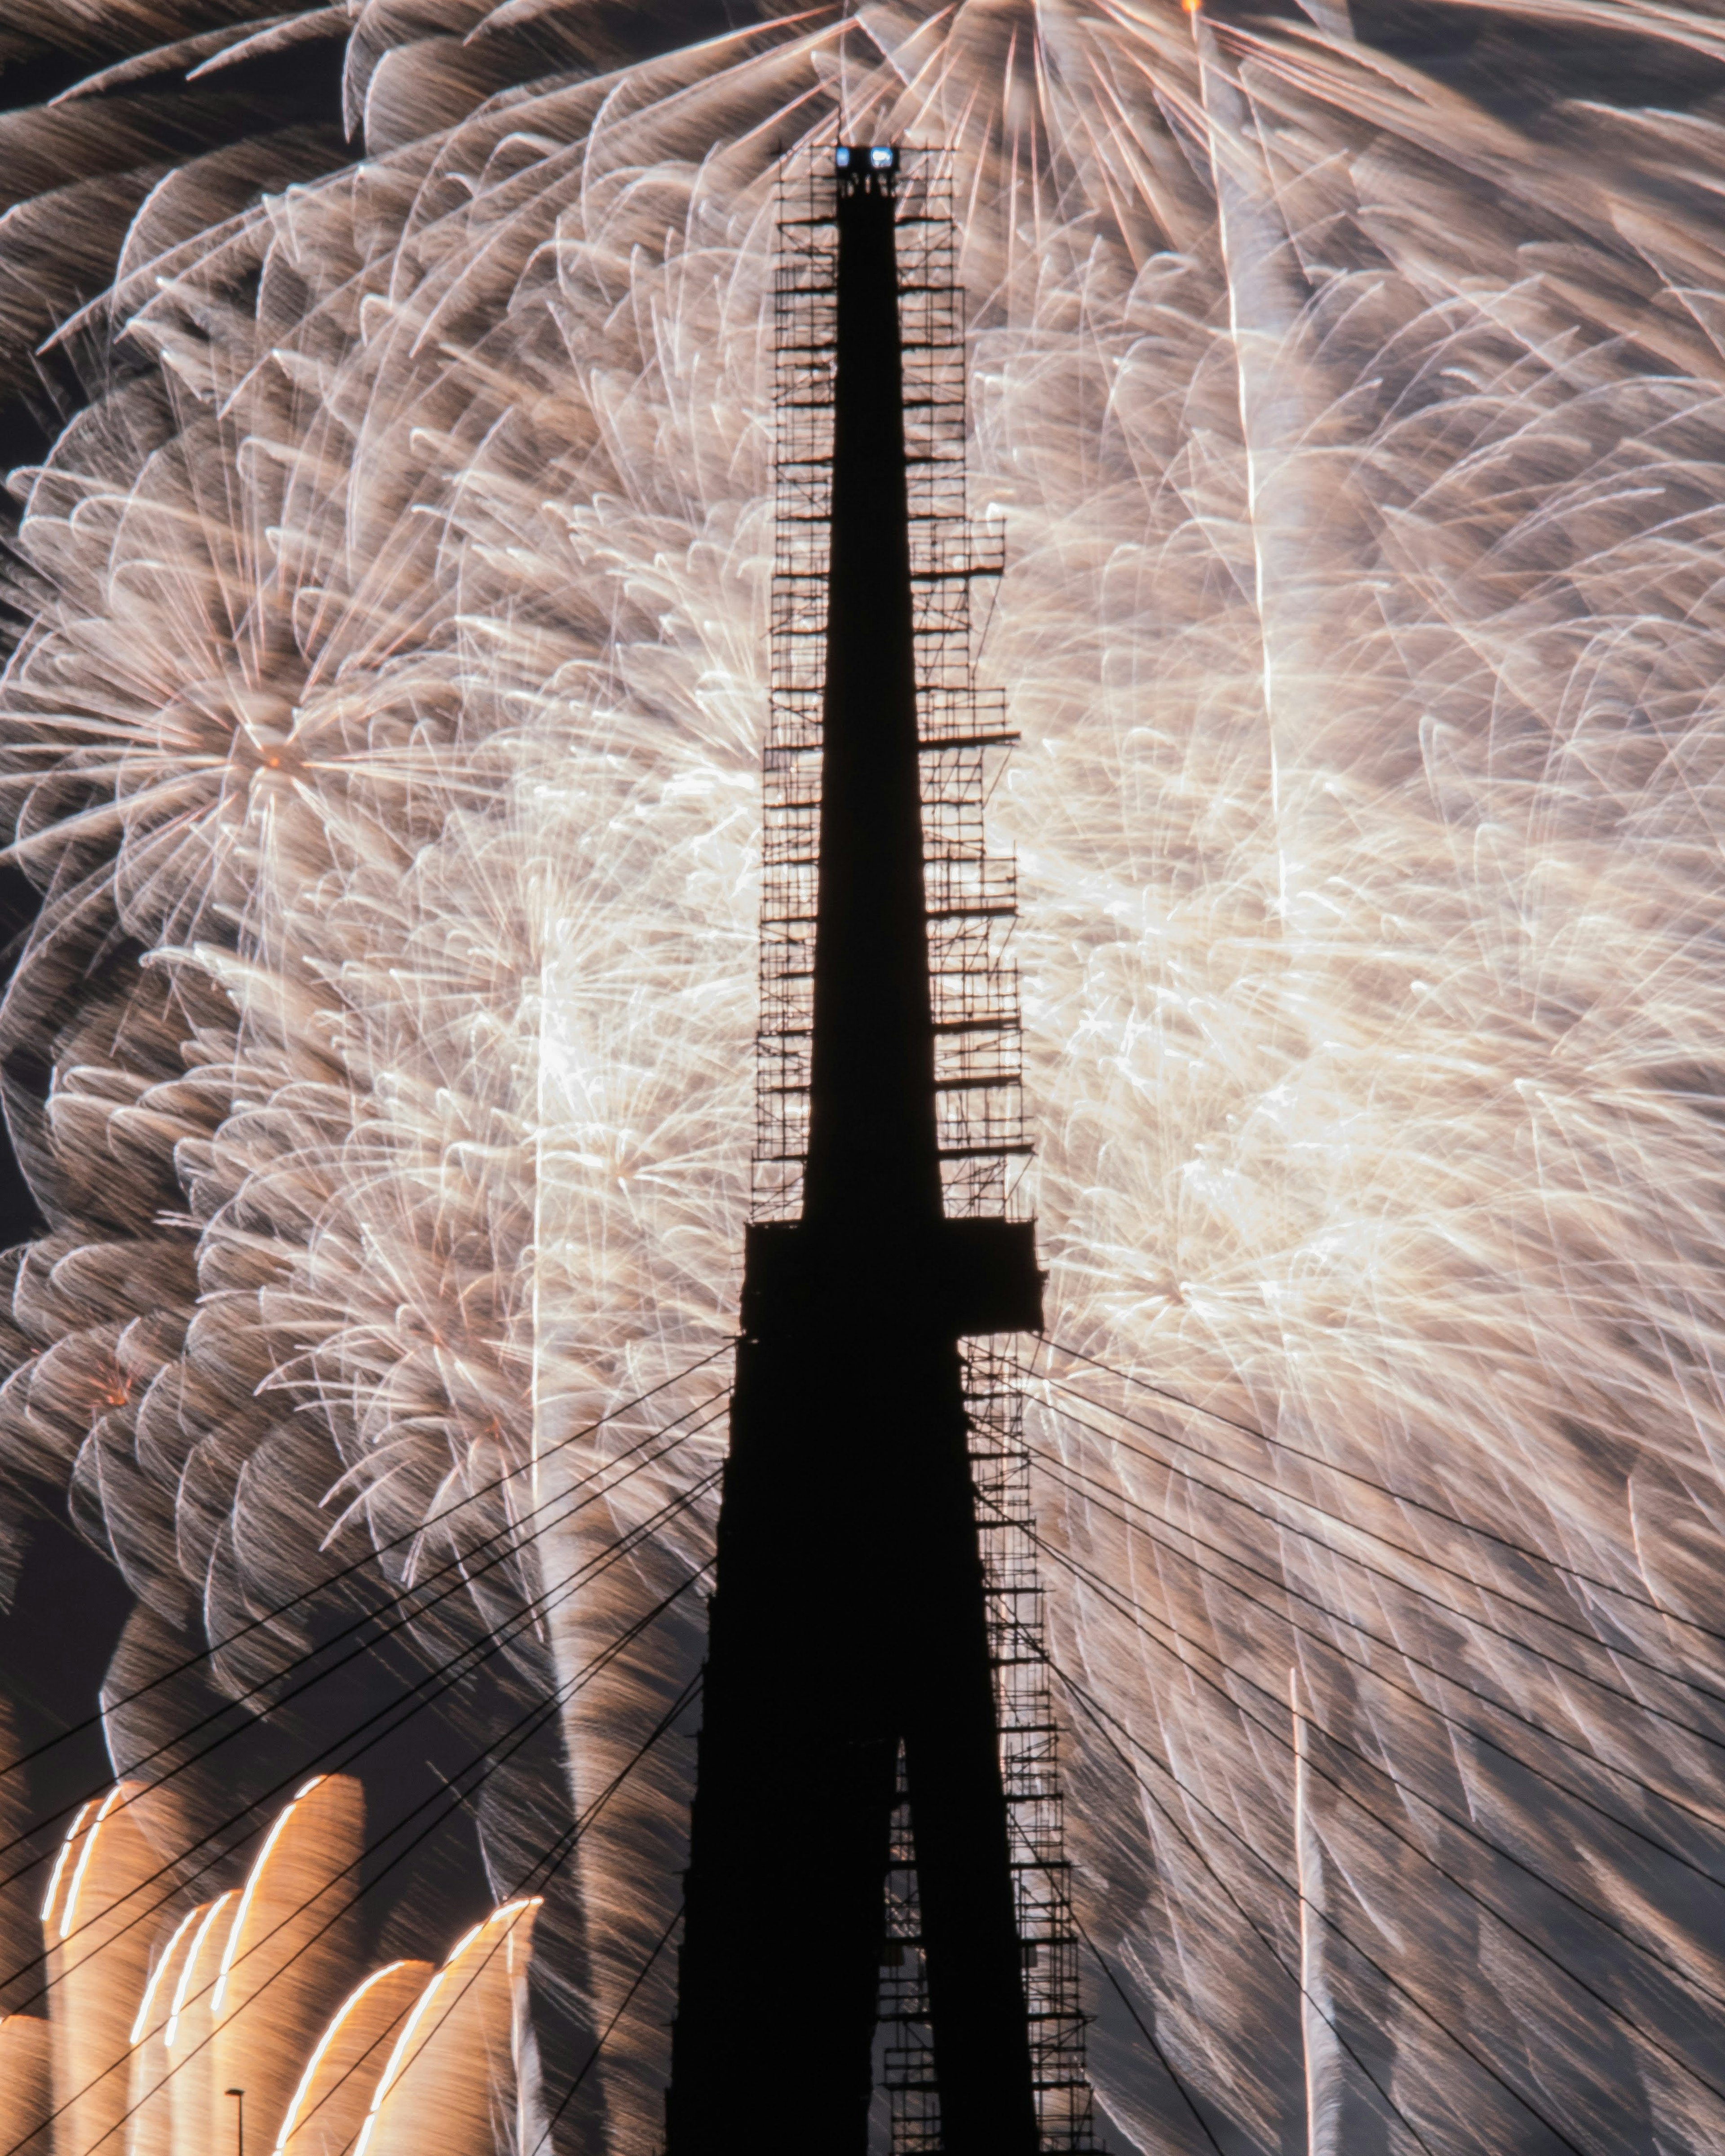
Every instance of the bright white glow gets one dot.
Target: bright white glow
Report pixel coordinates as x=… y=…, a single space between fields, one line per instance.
x=291 y=2118
x=164 y=1962
x=401 y=2056
x=182 y=1993
x=60 y=1861
x=252 y=1879
x=86 y=1853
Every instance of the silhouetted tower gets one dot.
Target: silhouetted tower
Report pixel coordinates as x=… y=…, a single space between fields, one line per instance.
x=874 y=1859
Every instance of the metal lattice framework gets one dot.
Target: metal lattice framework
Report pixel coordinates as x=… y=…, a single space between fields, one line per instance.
x=971 y=900
x=1029 y=1758
x=972 y=895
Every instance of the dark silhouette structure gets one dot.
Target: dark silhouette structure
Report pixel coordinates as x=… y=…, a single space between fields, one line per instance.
x=850 y=1718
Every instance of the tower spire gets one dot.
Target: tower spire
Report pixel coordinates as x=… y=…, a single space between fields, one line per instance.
x=851 y=1723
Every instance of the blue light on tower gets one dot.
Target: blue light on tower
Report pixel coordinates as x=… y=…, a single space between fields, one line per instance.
x=882 y=157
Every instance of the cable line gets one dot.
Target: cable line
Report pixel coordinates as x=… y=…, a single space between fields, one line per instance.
x=347 y=1571
x=1404 y=1653
x=1407 y=1691
x=440 y=1681
x=605 y=2034
x=436 y=1682
x=1137 y=1616
x=549 y=1861
x=406 y=1616
x=1100 y=1714
x=1258 y=1933
x=1399 y=1497
x=487 y=1761
x=571 y=1833
x=544 y=1869
x=1145 y=2031
x=1589 y=1637
x=383 y=2037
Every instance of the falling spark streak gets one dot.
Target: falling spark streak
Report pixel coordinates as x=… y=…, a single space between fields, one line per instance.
x=384 y=748
x=1320 y=2055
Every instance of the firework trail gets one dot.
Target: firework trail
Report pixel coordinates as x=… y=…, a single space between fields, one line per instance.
x=384 y=747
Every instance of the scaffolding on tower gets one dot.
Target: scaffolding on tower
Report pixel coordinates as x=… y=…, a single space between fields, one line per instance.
x=984 y=1142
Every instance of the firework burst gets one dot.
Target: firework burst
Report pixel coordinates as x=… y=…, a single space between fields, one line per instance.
x=384 y=747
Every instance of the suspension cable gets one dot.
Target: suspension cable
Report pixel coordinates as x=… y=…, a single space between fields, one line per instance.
x=459 y=1570
x=436 y=1682
x=359 y=1564
x=1444 y=1676
x=1383 y=1489
x=1137 y=1615
x=1145 y=2031
x=1589 y=1637
x=1101 y=1714
x=453 y=1797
